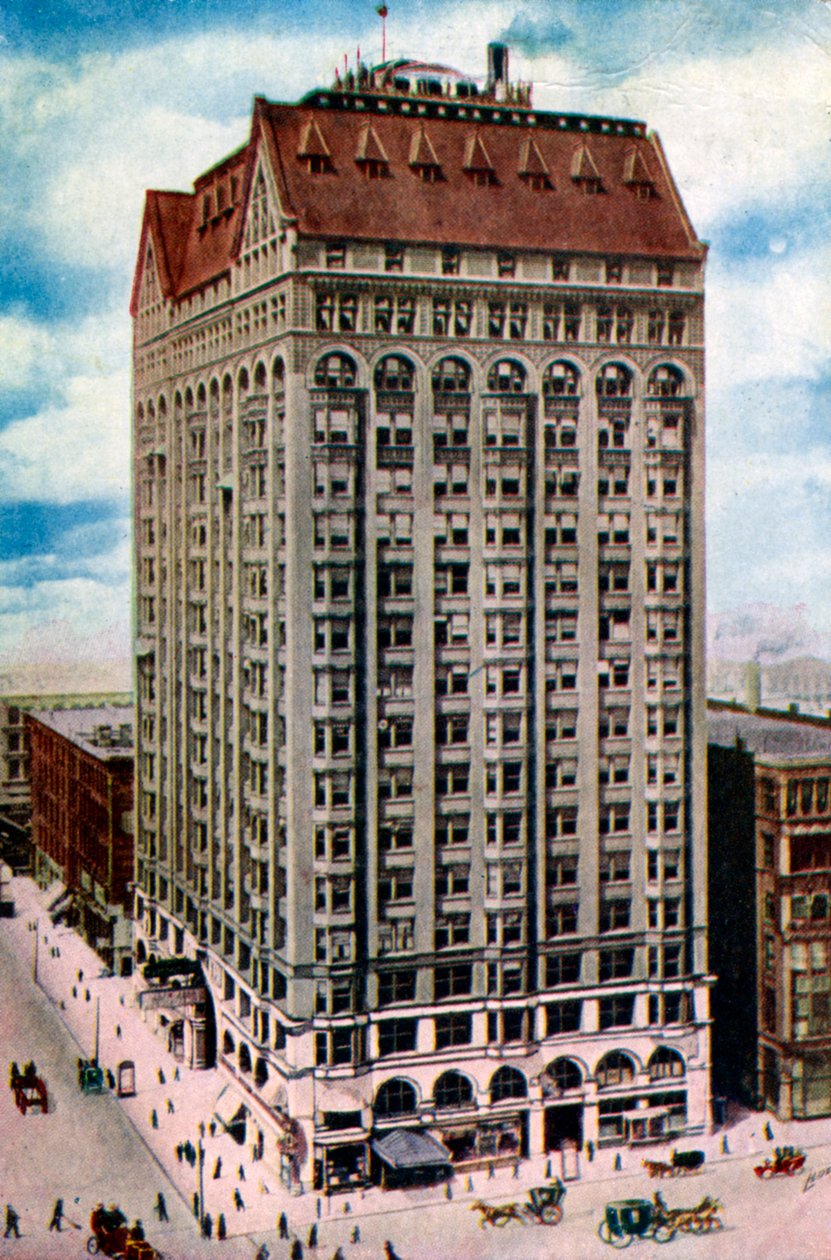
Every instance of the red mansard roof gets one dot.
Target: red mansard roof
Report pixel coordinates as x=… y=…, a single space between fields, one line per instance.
x=457 y=207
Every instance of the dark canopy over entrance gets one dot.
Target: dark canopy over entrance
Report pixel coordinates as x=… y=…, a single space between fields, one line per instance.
x=410 y=1157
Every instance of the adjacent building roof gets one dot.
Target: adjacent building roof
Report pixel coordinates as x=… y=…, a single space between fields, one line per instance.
x=773 y=737
x=351 y=165
x=106 y=732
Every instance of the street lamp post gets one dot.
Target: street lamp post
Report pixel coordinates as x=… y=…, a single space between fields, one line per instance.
x=35 y=956
x=200 y=1154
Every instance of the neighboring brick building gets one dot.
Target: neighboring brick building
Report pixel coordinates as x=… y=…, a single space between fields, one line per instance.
x=770 y=907
x=419 y=479
x=81 y=771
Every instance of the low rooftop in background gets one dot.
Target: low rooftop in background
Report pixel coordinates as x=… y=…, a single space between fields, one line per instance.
x=106 y=732
x=769 y=734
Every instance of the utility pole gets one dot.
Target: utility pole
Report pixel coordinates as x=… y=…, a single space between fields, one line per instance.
x=35 y=958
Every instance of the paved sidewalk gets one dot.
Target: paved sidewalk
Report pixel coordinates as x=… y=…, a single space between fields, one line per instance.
x=168 y=1111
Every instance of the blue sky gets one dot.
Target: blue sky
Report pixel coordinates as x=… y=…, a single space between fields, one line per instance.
x=99 y=100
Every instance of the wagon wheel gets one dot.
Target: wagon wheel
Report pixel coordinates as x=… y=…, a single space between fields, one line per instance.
x=616 y=1238
x=664 y=1232
x=766 y=1173
x=551 y=1214
x=92 y=1246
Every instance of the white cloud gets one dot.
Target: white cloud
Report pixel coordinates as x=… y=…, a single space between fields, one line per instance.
x=23 y=345
x=76 y=618
x=77 y=449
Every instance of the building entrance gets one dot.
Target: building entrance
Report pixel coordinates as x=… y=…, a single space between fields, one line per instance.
x=563 y=1124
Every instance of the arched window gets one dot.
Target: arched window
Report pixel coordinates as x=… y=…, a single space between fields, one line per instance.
x=615 y=1068
x=243 y=382
x=201 y=398
x=664 y=1063
x=260 y=378
x=508 y=1083
x=560 y=379
x=451 y=376
x=395 y=1098
x=395 y=374
x=228 y=1046
x=666 y=381
x=278 y=376
x=565 y=1074
x=260 y=1073
x=244 y=1058
x=506 y=377
x=614 y=381
x=452 y=1090
x=335 y=371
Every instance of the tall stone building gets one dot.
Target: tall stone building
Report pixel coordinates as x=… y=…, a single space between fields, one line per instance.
x=419 y=443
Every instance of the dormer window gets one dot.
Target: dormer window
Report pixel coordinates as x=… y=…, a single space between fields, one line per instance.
x=665 y=275
x=559 y=268
x=423 y=158
x=477 y=162
x=532 y=168
x=371 y=156
x=614 y=271
x=335 y=255
x=637 y=176
x=313 y=149
x=584 y=172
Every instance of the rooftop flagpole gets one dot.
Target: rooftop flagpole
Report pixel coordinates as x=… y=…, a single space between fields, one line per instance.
x=382 y=12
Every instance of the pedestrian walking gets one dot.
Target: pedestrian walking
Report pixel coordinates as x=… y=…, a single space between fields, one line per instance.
x=319 y=1207
x=590 y=1150
x=57 y=1216
x=263 y=1253
x=110 y=1079
x=86 y=995
x=195 y=1204
x=725 y=1145
x=161 y=1077
x=154 y=1118
x=161 y=1207
x=491 y=1172
x=211 y=1126
x=12 y=1223
x=221 y=1227
x=311 y=1241
x=80 y=975
x=356 y=1234
x=389 y=1251
x=238 y=1202
x=516 y=1170
x=176 y=1076
x=218 y=1168
x=180 y=1151
x=618 y=1162
x=202 y=1128
x=339 y=1254
x=170 y=1107
x=768 y=1131
x=296 y=1251
x=207 y=1225
x=448 y=1191
x=469 y=1184
x=283 y=1225
x=241 y=1172
x=118 y=1031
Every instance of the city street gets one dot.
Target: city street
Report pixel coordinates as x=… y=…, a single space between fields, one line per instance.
x=97 y=1148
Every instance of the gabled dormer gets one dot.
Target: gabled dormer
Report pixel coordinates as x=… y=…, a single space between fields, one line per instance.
x=637 y=176
x=313 y=149
x=477 y=162
x=584 y=172
x=423 y=158
x=533 y=169
x=371 y=156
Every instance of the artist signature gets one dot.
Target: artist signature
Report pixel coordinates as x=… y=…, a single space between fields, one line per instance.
x=813 y=1177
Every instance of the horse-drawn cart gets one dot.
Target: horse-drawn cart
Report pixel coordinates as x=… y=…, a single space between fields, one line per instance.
x=786 y=1161
x=111 y=1236
x=542 y=1207
x=28 y=1088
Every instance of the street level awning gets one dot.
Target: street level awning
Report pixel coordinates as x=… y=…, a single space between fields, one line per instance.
x=409 y=1148
x=230 y=1107
x=55 y=893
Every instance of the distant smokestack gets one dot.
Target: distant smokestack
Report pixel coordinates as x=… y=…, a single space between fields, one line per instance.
x=497 y=67
x=753 y=686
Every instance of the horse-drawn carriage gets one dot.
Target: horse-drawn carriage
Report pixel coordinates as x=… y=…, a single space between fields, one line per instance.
x=111 y=1236
x=28 y=1088
x=786 y=1161
x=682 y=1162
x=542 y=1207
x=628 y=1219
x=91 y=1079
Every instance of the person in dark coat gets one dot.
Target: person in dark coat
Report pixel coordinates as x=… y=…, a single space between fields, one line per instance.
x=160 y=1075
x=180 y=1151
x=238 y=1202
x=207 y=1225
x=221 y=1227
x=296 y=1252
x=356 y=1234
x=196 y=1205
x=283 y=1225
x=12 y=1223
x=311 y=1241
x=218 y=1168
x=154 y=1119
x=241 y=1172
x=161 y=1207
x=57 y=1216
x=136 y=1233
x=389 y=1251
